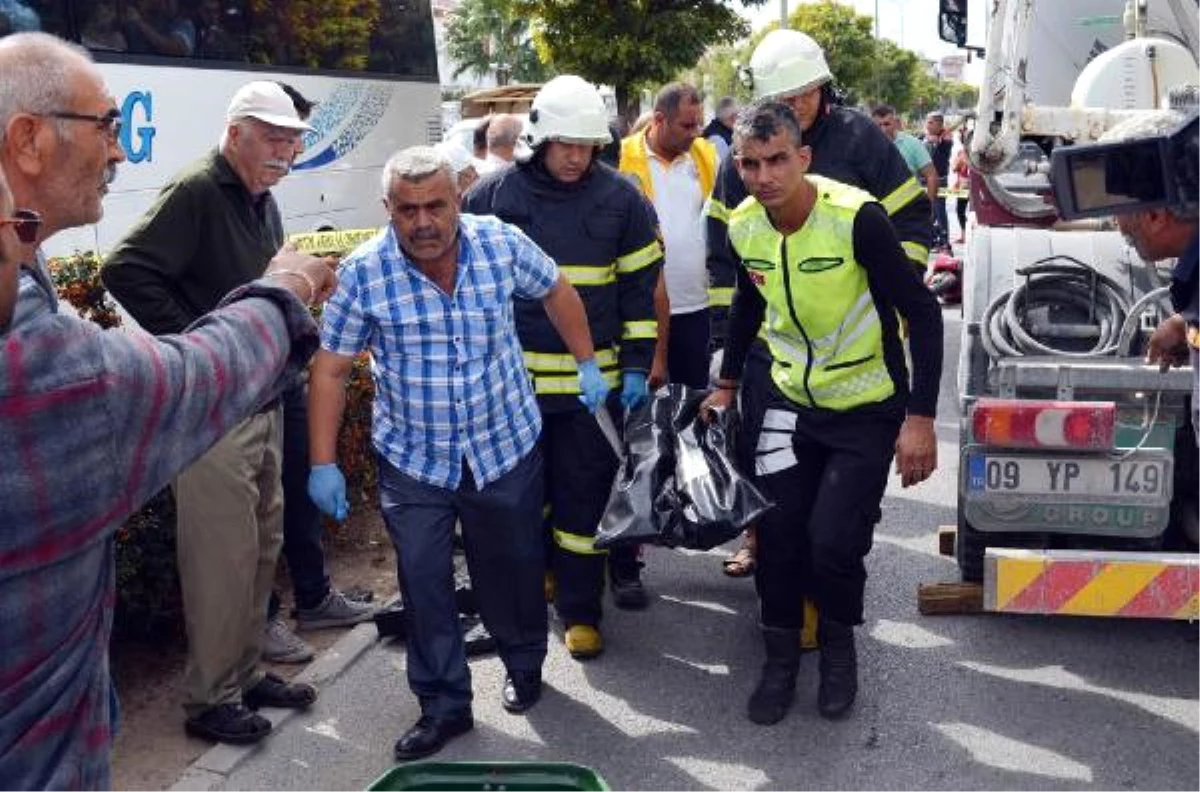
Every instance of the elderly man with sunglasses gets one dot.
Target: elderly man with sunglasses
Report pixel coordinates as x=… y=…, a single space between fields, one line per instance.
x=213 y=228
x=92 y=423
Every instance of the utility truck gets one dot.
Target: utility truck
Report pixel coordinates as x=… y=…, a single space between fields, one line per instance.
x=1078 y=469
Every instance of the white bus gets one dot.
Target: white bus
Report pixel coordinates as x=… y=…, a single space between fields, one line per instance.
x=370 y=65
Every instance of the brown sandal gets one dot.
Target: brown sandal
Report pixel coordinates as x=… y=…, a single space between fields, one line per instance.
x=740 y=564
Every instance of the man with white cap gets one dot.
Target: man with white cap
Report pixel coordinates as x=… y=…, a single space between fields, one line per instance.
x=214 y=227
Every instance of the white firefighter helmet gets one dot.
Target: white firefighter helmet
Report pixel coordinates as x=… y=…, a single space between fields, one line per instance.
x=569 y=109
x=787 y=62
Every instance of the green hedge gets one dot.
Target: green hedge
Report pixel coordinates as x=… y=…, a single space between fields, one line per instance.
x=148 y=598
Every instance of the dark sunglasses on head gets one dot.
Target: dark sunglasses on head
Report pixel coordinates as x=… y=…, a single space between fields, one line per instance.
x=26 y=223
x=109 y=123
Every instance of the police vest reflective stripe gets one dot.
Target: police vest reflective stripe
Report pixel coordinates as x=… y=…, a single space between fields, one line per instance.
x=825 y=335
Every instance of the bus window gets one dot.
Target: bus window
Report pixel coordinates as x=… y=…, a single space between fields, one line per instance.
x=220 y=31
x=100 y=29
x=21 y=16
x=158 y=27
x=383 y=36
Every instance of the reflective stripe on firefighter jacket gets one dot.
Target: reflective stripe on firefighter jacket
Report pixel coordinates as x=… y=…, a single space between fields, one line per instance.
x=825 y=335
x=846 y=146
x=602 y=235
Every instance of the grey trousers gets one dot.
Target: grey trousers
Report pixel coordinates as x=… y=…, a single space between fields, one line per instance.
x=230 y=529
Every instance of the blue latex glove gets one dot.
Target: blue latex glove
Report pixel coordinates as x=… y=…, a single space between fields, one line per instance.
x=592 y=387
x=633 y=390
x=327 y=488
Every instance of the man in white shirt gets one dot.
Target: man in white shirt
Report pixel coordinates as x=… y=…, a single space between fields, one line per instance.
x=675 y=169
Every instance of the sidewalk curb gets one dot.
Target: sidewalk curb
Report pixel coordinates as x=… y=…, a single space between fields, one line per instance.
x=214 y=766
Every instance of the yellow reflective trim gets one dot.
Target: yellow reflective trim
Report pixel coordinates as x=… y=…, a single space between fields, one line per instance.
x=917 y=252
x=554 y=386
x=717 y=210
x=720 y=296
x=901 y=196
x=639 y=259
x=584 y=275
x=574 y=543
x=644 y=329
x=555 y=362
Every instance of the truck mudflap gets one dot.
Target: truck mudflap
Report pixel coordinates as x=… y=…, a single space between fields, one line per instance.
x=1092 y=583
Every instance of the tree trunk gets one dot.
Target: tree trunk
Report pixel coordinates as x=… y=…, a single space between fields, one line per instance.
x=629 y=112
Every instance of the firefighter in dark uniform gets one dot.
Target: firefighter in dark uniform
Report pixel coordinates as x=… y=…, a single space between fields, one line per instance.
x=601 y=232
x=846 y=145
x=822 y=275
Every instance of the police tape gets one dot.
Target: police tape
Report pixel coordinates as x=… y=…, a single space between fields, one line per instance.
x=332 y=242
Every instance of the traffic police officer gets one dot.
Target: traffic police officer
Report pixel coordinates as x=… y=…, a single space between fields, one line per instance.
x=601 y=232
x=823 y=275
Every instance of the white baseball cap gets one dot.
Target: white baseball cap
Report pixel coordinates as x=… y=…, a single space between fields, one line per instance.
x=266 y=101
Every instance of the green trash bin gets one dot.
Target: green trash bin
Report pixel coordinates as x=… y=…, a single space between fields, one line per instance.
x=491 y=776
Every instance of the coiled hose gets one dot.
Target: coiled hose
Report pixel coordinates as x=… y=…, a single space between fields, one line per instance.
x=1070 y=283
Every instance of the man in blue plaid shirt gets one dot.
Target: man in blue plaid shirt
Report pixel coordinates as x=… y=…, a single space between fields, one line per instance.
x=455 y=424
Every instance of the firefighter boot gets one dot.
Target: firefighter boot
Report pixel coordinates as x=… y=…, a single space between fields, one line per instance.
x=777 y=686
x=838 y=667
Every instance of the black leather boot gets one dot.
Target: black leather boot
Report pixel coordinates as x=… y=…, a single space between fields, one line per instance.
x=777 y=686
x=838 y=667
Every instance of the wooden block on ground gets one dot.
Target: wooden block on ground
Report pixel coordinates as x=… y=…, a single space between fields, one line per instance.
x=939 y=598
x=946 y=536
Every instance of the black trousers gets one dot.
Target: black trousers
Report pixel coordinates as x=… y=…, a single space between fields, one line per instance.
x=687 y=348
x=501 y=529
x=579 y=467
x=303 y=529
x=826 y=472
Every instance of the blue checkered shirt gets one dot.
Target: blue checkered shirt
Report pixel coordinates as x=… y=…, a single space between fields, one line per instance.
x=450 y=382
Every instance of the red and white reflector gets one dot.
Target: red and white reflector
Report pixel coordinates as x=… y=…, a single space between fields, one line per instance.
x=1026 y=423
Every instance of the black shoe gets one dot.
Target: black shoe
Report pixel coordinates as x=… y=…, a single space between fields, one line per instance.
x=273 y=691
x=429 y=735
x=522 y=689
x=839 y=669
x=776 y=688
x=228 y=723
x=476 y=638
x=628 y=593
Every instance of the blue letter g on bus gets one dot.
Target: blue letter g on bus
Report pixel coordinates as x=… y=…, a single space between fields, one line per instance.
x=143 y=150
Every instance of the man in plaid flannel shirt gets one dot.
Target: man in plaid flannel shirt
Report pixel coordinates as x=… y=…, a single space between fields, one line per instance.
x=93 y=423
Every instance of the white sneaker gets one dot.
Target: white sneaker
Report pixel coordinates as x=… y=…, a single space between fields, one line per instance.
x=281 y=645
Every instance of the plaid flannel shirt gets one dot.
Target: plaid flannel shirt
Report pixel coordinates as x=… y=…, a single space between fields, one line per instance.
x=92 y=424
x=450 y=381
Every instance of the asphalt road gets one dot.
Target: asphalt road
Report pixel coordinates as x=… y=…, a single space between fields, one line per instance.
x=946 y=702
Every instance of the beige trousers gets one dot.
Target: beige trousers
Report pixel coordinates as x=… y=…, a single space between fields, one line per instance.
x=230 y=530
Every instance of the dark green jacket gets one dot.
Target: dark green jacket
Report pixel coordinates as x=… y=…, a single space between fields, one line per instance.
x=204 y=236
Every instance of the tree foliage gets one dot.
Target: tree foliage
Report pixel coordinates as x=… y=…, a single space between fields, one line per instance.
x=630 y=44
x=866 y=70
x=493 y=37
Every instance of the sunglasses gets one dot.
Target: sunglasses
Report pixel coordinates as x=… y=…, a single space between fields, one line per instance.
x=26 y=223
x=109 y=123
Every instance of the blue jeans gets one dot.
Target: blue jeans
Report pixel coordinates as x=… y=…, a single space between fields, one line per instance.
x=502 y=536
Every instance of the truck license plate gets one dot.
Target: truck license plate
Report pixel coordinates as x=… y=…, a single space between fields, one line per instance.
x=1137 y=479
